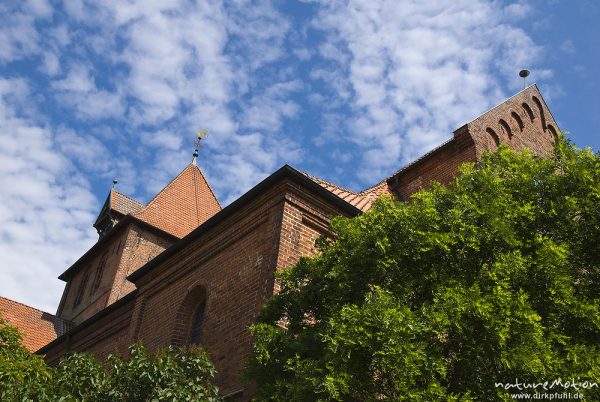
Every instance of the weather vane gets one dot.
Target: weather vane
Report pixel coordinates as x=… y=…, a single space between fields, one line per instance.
x=201 y=134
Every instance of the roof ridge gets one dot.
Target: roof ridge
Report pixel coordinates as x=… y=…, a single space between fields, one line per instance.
x=501 y=103
x=368 y=190
x=361 y=200
x=208 y=185
x=312 y=177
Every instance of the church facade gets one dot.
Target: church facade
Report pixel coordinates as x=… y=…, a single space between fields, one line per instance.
x=182 y=270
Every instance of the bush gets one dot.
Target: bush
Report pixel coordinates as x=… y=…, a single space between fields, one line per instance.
x=183 y=374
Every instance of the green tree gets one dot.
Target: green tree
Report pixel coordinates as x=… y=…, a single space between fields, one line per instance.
x=492 y=279
x=23 y=376
x=170 y=375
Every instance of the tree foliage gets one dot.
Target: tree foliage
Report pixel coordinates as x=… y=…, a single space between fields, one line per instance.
x=169 y=375
x=494 y=278
x=23 y=376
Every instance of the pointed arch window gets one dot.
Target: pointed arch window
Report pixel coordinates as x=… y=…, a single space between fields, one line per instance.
x=198 y=319
x=99 y=272
x=190 y=318
x=81 y=289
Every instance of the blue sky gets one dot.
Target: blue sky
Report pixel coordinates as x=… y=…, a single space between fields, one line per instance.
x=349 y=91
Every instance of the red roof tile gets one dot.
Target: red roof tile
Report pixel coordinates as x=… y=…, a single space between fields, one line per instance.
x=39 y=327
x=123 y=204
x=185 y=203
x=361 y=200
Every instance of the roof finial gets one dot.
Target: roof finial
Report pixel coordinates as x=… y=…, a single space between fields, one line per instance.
x=201 y=134
x=524 y=74
x=115 y=181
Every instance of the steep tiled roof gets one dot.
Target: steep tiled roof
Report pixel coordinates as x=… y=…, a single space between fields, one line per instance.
x=184 y=203
x=361 y=200
x=39 y=327
x=116 y=202
x=124 y=204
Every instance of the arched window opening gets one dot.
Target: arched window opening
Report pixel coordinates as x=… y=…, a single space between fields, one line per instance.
x=190 y=318
x=506 y=128
x=541 y=110
x=196 y=335
x=553 y=132
x=494 y=136
x=518 y=120
x=99 y=272
x=528 y=111
x=81 y=289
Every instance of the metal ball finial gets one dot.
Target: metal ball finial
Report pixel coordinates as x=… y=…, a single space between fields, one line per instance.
x=115 y=181
x=524 y=74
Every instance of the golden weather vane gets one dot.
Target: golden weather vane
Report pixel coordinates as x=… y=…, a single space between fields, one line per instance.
x=199 y=137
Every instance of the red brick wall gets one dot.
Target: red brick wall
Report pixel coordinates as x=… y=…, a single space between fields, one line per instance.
x=140 y=246
x=125 y=252
x=441 y=165
x=108 y=334
x=93 y=302
x=522 y=121
x=234 y=264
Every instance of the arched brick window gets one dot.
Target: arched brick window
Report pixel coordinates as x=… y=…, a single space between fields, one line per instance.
x=198 y=320
x=189 y=318
x=99 y=272
x=528 y=111
x=541 y=111
x=518 y=119
x=493 y=135
x=553 y=132
x=505 y=128
x=81 y=289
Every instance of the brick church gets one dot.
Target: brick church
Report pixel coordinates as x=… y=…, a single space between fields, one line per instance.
x=183 y=270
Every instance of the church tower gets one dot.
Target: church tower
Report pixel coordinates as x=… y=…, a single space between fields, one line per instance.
x=130 y=235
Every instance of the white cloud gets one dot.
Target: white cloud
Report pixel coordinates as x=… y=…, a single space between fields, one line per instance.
x=45 y=207
x=181 y=77
x=86 y=150
x=567 y=46
x=79 y=91
x=78 y=80
x=50 y=64
x=18 y=36
x=39 y=8
x=302 y=53
x=141 y=77
x=417 y=70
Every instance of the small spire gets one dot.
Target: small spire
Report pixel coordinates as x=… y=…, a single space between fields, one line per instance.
x=115 y=181
x=201 y=134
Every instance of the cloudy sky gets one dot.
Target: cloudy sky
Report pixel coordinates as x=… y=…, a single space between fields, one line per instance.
x=346 y=90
